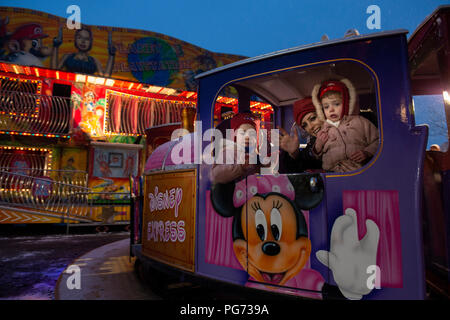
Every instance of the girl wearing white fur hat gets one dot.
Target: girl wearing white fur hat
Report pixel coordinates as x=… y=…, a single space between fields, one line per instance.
x=347 y=140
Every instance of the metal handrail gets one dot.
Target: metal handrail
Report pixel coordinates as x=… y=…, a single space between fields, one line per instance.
x=43 y=194
x=73 y=177
x=35 y=113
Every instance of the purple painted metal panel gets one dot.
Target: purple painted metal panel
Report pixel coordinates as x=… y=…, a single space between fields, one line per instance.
x=397 y=168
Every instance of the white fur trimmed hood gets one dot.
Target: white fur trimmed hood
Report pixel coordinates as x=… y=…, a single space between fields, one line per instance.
x=352 y=109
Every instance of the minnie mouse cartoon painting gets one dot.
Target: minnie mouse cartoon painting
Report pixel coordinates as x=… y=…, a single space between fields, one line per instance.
x=270 y=235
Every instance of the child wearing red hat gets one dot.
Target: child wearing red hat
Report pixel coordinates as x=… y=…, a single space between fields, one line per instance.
x=241 y=125
x=347 y=140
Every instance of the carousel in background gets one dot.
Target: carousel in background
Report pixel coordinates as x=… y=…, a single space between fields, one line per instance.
x=72 y=133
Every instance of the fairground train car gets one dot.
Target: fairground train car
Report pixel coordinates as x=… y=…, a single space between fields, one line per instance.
x=316 y=233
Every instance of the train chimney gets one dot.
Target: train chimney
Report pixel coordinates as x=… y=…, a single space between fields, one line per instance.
x=187 y=118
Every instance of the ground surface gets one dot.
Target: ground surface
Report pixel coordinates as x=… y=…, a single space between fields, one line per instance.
x=106 y=273
x=31 y=264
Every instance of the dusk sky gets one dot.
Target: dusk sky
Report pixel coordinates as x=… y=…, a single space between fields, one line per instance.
x=244 y=27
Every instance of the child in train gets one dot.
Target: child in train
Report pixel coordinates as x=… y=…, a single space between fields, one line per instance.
x=240 y=165
x=347 y=140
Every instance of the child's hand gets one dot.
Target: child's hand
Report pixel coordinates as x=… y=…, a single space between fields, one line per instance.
x=322 y=138
x=359 y=156
x=288 y=143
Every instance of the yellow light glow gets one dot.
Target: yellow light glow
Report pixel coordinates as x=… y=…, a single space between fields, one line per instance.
x=153 y=89
x=446 y=97
x=168 y=91
x=100 y=81
x=109 y=82
x=80 y=78
x=91 y=79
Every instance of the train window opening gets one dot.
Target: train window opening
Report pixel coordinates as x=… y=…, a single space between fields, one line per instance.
x=233 y=100
x=430 y=110
x=347 y=81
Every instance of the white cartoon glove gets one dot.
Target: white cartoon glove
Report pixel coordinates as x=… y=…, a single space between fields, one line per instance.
x=349 y=258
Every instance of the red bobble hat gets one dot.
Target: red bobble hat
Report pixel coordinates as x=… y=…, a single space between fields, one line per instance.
x=29 y=31
x=301 y=108
x=240 y=119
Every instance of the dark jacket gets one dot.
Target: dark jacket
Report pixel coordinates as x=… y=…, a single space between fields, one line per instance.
x=305 y=160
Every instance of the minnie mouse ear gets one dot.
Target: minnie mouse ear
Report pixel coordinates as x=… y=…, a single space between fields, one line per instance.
x=222 y=199
x=308 y=190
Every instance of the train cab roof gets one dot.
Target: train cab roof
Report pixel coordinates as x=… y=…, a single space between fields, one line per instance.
x=284 y=88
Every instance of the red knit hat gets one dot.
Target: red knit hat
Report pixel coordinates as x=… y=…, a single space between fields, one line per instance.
x=240 y=119
x=301 y=108
x=339 y=87
x=28 y=31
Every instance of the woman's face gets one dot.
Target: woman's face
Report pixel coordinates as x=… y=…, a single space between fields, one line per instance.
x=83 y=41
x=311 y=124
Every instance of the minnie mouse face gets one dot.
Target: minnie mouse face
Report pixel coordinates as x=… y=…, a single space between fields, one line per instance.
x=270 y=235
x=275 y=253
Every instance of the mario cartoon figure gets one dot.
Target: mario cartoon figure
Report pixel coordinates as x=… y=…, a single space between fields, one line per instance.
x=25 y=45
x=270 y=234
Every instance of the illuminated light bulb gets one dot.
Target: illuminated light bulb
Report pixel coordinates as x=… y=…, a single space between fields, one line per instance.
x=446 y=97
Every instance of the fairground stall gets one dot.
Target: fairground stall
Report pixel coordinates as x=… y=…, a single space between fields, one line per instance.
x=72 y=135
x=81 y=110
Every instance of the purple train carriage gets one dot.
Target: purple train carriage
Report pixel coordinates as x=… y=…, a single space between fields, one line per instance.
x=370 y=228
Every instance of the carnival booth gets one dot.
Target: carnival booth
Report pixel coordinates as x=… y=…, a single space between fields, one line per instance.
x=77 y=121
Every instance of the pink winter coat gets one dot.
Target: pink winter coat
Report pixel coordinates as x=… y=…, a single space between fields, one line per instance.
x=353 y=133
x=224 y=173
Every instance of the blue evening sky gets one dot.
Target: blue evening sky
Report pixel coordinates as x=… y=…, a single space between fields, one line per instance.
x=254 y=27
x=245 y=27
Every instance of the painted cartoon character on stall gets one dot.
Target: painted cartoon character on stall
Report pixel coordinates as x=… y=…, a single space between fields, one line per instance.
x=103 y=165
x=81 y=61
x=25 y=46
x=270 y=234
x=129 y=165
x=92 y=115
